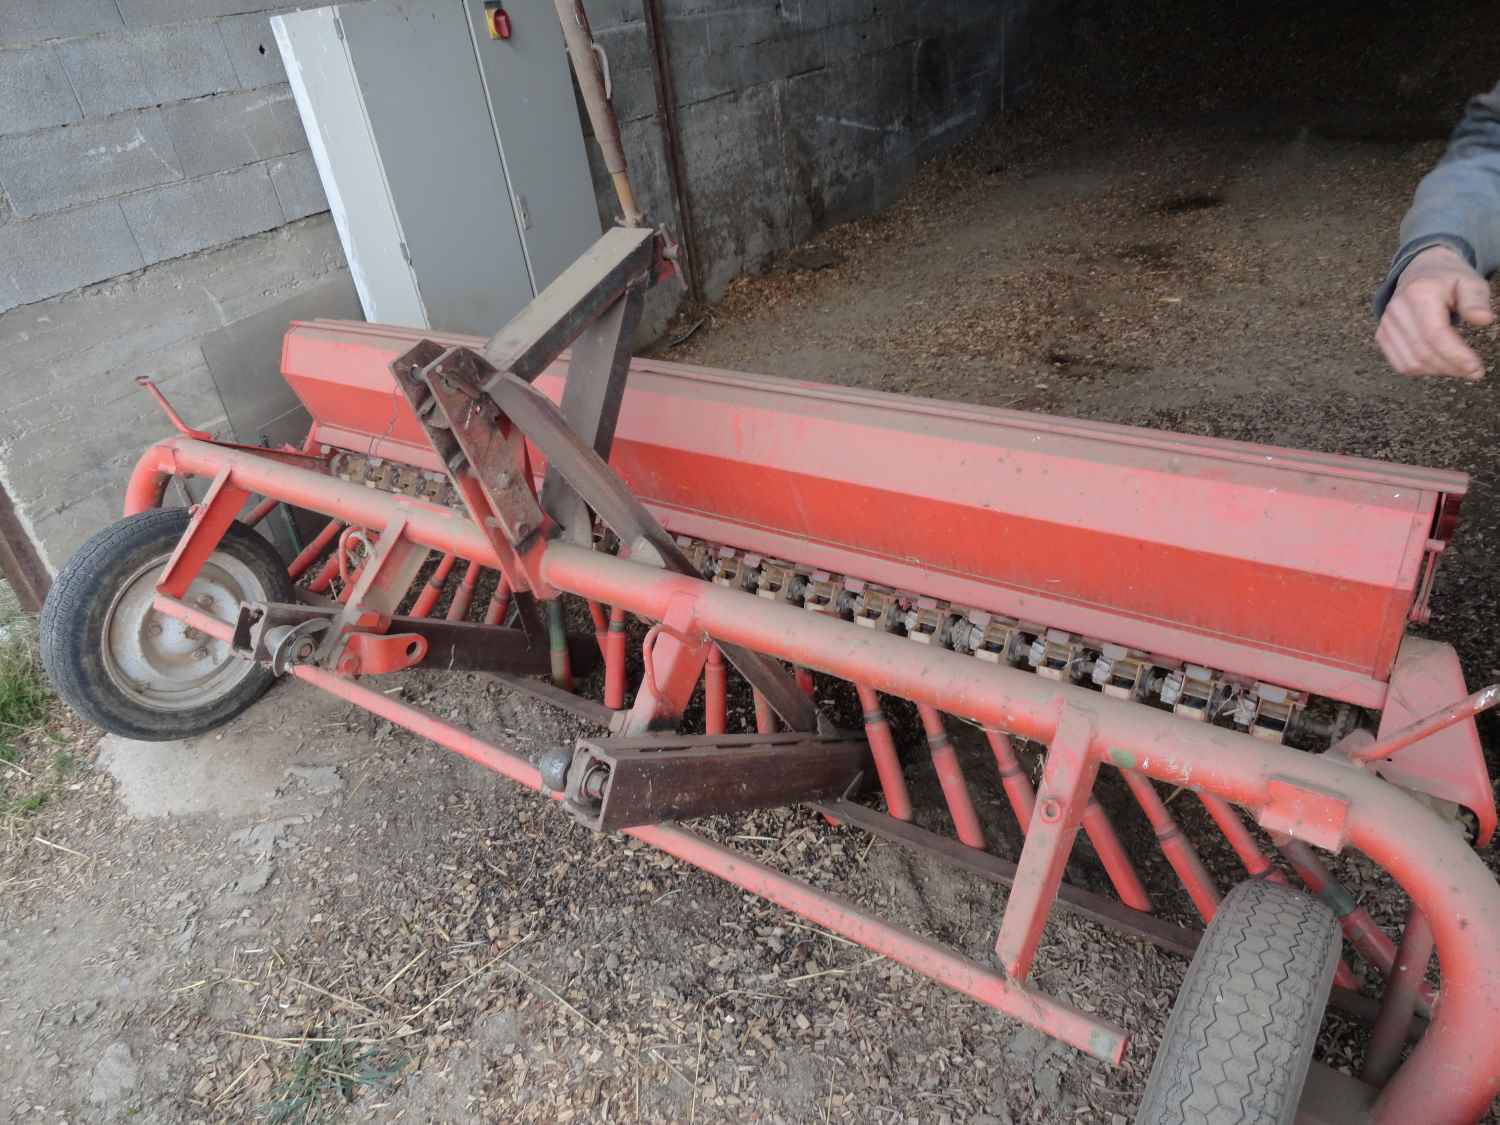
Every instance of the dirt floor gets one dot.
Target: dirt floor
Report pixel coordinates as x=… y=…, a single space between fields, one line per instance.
x=314 y=916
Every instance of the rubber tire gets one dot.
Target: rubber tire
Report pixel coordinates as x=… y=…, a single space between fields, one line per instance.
x=72 y=624
x=1240 y=1039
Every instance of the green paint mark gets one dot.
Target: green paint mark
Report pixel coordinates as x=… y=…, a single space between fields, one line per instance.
x=1122 y=758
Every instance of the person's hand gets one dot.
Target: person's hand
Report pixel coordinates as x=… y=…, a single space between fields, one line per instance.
x=1417 y=334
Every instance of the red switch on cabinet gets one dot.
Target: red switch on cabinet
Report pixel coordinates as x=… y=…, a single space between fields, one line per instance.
x=497 y=19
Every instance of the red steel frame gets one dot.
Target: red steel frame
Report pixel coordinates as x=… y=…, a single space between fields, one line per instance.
x=1452 y=1075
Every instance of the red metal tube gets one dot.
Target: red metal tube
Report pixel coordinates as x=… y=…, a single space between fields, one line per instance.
x=1122 y=873
x=805 y=682
x=1018 y=788
x=1393 y=743
x=1079 y=1029
x=1244 y=845
x=951 y=777
x=883 y=750
x=765 y=718
x=1403 y=988
x=325 y=576
x=314 y=550
x=260 y=511
x=601 y=625
x=715 y=685
x=433 y=590
x=557 y=644
x=614 y=660
x=494 y=613
x=458 y=608
x=1179 y=852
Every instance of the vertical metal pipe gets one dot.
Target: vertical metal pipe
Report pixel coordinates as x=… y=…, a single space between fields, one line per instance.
x=1106 y=843
x=434 y=587
x=311 y=553
x=494 y=613
x=458 y=608
x=765 y=718
x=1017 y=785
x=1179 y=852
x=1402 y=988
x=557 y=642
x=805 y=682
x=601 y=625
x=883 y=750
x=1244 y=845
x=715 y=684
x=951 y=777
x=614 y=660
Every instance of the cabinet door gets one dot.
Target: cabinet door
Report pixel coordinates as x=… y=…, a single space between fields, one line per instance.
x=536 y=117
x=425 y=104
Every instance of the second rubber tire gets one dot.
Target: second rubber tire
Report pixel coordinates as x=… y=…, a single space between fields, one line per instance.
x=1240 y=1038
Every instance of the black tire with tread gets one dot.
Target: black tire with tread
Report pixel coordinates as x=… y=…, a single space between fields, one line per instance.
x=1240 y=1038
x=72 y=624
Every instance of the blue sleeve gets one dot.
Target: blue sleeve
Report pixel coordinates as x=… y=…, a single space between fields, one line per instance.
x=1458 y=203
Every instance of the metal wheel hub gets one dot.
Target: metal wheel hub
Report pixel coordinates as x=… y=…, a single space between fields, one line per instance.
x=163 y=663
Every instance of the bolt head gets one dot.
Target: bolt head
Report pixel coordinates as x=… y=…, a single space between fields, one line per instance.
x=206 y=601
x=200 y=653
x=153 y=629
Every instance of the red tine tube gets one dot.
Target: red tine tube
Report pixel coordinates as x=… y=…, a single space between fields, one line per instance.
x=434 y=588
x=458 y=608
x=765 y=718
x=1402 y=992
x=315 y=549
x=1018 y=788
x=951 y=777
x=1180 y=854
x=805 y=681
x=614 y=660
x=260 y=511
x=715 y=684
x=494 y=613
x=1112 y=854
x=601 y=625
x=325 y=576
x=883 y=749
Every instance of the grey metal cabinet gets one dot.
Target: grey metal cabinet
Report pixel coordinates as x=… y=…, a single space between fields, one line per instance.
x=453 y=162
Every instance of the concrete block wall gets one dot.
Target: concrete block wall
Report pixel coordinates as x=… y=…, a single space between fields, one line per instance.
x=795 y=115
x=139 y=131
x=155 y=187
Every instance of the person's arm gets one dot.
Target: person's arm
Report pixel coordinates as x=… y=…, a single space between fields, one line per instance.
x=1450 y=242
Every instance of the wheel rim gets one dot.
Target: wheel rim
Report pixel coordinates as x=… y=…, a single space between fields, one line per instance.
x=164 y=664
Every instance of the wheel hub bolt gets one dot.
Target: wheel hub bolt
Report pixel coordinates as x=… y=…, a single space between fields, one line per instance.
x=206 y=601
x=153 y=629
x=200 y=653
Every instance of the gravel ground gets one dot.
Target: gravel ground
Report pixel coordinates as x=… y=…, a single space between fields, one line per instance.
x=359 y=927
